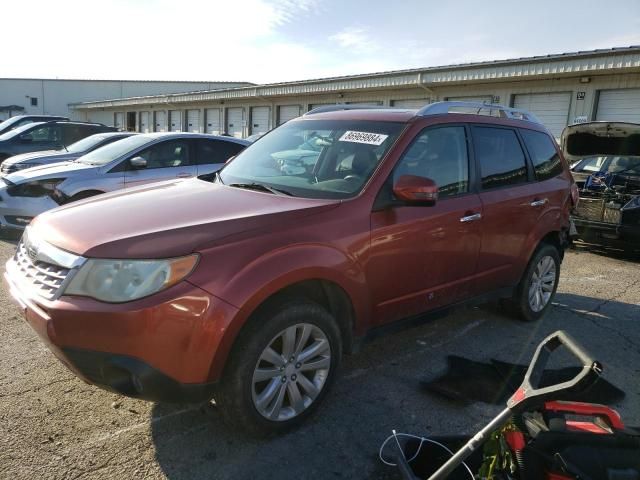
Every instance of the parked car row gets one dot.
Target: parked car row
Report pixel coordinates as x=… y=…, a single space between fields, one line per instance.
x=114 y=161
x=248 y=285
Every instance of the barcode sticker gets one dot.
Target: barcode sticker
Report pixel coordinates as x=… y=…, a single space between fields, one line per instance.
x=363 y=137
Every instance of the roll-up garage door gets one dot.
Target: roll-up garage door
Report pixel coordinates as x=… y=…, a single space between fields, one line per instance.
x=260 y=119
x=144 y=122
x=619 y=105
x=161 y=121
x=410 y=103
x=193 y=121
x=213 y=121
x=472 y=98
x=287 y=112
x=118 y=120
x=175 y=121
x=551 y=108
x=234 y=122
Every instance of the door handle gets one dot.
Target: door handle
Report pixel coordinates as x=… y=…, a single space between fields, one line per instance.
x=471 y=218
x=539 y=203
x=184 y=175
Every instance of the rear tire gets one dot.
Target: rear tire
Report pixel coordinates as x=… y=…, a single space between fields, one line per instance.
x=538 y=286
x=263 y=392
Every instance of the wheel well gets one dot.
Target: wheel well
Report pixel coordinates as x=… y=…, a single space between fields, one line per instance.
x=323 y=292
x=556 y=239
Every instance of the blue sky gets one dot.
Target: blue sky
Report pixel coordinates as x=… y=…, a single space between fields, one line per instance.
x=283 y=40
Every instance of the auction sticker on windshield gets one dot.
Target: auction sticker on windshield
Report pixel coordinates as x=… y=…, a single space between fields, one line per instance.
x=363 y=137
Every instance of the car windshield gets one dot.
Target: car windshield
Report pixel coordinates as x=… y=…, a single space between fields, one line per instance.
x=112 y=151
x=8 y=122
x=610 y=164
x=18 y=130
x=85 y=144
x=314 y=158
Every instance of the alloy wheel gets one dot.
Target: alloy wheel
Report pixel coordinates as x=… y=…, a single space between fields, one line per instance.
x=543 y=281
x=291 y=372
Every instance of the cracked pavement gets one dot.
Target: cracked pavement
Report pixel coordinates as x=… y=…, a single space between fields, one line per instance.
x=54 y=426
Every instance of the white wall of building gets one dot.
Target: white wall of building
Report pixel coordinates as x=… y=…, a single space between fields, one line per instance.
x=54 y=96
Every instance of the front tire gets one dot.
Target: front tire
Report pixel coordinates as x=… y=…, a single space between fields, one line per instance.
x=539 y=283
x=280 y=369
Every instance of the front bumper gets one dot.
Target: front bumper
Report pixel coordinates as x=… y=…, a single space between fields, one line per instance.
x=17 y=212
x=160 y=348
x=619 y=235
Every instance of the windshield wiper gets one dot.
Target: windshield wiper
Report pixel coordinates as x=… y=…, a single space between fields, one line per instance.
x=261 y=187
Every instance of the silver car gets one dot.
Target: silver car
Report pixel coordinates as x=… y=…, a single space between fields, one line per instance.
x=126 y=163
x=73 y=151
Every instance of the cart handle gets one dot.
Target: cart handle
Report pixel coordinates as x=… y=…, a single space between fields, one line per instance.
x=530 y=394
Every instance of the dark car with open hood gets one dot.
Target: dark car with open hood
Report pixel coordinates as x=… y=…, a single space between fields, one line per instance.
x=247 y=286
x=605 y=158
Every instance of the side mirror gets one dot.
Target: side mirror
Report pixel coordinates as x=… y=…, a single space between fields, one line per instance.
x=26 y=138
x=414 y=189
x=138 y=163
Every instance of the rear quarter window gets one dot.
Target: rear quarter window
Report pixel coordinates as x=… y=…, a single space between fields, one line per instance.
x=544 y=156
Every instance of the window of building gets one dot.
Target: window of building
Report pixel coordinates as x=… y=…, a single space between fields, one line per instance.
x=34 y=101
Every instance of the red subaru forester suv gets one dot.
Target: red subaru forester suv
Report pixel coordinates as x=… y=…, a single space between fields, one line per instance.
x=248 y=287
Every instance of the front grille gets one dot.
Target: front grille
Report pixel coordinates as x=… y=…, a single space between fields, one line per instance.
x=590 y=209
x=45 y=278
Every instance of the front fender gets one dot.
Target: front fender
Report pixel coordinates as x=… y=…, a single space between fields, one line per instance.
x=258 y=280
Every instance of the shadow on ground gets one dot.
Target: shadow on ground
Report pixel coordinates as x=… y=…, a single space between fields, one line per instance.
x=378 y=389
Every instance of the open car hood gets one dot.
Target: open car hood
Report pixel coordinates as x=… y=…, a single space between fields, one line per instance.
x=600 y=138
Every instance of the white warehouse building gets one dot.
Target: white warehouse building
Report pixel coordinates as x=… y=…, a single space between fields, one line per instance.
x=560 y=89
x=24 y=96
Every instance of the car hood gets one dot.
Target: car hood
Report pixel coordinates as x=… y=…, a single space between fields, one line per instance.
x=54 y=170
x=168 y=219
x=600 y=138
x=49 y=156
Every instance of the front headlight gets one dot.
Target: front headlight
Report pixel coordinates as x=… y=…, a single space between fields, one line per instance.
x=39 y=188
x=22 y=166
x=118 y=281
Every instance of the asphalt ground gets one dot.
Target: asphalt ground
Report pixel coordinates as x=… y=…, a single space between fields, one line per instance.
x=54 y=426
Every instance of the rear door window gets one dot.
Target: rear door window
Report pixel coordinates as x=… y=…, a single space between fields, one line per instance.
x=441 y=155
x=543 y=154
x=500 y=156
x=215 y=151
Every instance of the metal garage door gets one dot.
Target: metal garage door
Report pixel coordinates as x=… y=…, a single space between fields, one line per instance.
x=474 y=98
x=193 y=121
x=144 y=122
x=213 y=121
x=175 y=121
x=619 y=105
x=118 y=120
x=410 y=103
x=161 y=121
x=260 y=119
x=287 y=112
x=551 y=108
x=234 y=122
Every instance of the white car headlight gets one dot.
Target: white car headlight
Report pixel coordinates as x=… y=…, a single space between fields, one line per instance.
x=118 y=281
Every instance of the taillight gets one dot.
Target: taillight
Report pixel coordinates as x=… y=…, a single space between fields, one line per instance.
x=575 y=195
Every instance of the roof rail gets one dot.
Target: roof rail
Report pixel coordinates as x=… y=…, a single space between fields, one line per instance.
x=438 y=108
x=342 y=106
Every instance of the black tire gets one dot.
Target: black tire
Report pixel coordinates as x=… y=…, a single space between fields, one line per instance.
x=234 y=395
x=520 y=305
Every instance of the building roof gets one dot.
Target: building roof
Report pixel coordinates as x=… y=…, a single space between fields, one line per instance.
x=601 y=61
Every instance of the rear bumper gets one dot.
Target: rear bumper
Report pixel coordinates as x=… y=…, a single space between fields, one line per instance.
x=624 y=236
x=160 y=348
